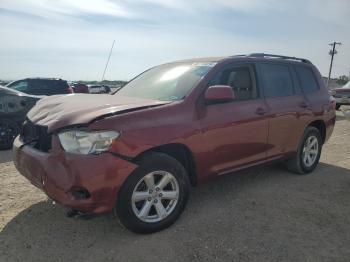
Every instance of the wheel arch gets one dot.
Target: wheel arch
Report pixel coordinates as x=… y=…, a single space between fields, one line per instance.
x=321 y=126
x=178 y=151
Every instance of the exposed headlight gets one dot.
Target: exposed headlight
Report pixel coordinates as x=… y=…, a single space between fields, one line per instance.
x=83 y=142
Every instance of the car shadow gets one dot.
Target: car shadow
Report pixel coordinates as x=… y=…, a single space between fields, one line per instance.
x=239 y=212
x=5 y=156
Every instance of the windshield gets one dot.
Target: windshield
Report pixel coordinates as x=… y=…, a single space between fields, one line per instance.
x=168 y=82
x=347 y=85
x=20 y=85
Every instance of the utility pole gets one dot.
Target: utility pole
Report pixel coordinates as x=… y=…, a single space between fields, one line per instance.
x=332 y=52
x=109 y=57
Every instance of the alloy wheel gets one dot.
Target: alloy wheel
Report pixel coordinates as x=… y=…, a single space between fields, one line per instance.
x=155 y=196
x=310 y=151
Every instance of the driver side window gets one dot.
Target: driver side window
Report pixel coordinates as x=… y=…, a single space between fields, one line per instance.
x=241 y=81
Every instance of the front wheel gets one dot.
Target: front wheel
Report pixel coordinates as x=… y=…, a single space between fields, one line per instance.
x=154 y=195
x=308 y=154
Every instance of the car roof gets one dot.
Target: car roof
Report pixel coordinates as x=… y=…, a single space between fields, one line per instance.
x=43 y=78
x=202 y=59
x=249 y=57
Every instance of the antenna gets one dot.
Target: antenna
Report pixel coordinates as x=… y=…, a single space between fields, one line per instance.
x=109 y=57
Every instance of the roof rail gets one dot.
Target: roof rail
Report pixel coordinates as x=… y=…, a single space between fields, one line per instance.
x=280 y=57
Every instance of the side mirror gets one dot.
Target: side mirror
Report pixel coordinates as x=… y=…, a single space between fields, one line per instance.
x=219 y=94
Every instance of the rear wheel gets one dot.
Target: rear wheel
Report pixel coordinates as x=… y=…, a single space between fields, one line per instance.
x=308 y=154
x=8 y=132
x=154 y=195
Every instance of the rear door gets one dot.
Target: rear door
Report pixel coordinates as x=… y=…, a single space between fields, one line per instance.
x=235 y=133
x=316 y=97
x=286 y=106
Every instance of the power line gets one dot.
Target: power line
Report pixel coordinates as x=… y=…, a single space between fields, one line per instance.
x=332 y=52
x=109 y=57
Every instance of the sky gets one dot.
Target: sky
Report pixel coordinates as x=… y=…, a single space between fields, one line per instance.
x=70 y=39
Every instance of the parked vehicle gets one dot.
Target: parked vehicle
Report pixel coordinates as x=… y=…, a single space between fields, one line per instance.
x=99 y=89
x=179 y=124
x=342 y=95
x=14 y=106
x=80 y=88
x=41 y=86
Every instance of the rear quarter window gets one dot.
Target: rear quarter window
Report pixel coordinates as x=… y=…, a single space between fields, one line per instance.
x=59 y=86
x=277 y=80
x=307 y=79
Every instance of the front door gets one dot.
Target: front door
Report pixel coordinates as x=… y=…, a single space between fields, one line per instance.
x=235 y=133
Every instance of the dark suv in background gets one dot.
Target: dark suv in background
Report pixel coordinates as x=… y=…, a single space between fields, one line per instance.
x=41 y=86
x=179 y=124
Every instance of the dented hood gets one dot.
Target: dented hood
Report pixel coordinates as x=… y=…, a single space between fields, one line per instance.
x=56 y=112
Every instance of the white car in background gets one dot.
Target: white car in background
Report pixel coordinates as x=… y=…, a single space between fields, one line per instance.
x=342 y=95
x=99 y=89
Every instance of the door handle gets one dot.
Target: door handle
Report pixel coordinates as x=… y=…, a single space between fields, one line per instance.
x=304 y=105
x=260 y=111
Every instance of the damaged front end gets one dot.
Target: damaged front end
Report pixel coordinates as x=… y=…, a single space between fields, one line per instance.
x=58 y=151
x=87 y=183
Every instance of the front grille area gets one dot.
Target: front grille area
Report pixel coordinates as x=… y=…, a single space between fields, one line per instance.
x=36 y=136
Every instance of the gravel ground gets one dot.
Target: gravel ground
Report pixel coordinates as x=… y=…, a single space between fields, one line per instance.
x=260 y=214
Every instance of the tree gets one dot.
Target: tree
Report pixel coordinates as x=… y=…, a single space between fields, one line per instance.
x=342 y=80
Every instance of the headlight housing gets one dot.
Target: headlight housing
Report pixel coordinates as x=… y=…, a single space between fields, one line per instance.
x=87 y=142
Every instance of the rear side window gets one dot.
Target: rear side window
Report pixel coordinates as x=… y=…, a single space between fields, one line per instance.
x=39 y=87
x=307 y=79
x=277 y=80
x=48 y=87
x=58 y=86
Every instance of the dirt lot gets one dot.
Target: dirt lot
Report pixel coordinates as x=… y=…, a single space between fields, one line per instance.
x=261 y=214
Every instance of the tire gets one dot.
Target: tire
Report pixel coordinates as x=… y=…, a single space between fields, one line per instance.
x=297 y=164
x=337 y=107
x=130 y=212
x=8 y=132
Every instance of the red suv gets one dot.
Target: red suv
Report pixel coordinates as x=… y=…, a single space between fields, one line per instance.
x=137 y=152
